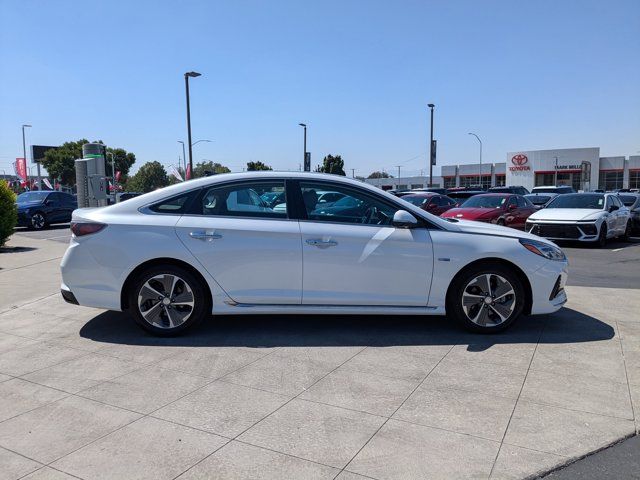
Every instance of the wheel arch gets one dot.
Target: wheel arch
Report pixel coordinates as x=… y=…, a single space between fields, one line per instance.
x=126 y=286
x=506 y=263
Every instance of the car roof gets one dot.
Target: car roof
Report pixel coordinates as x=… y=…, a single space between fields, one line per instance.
x=423 y=194
x=499 y=194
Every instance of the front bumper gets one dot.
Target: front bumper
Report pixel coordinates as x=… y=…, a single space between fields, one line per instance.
x=547 y=287
x=578 y=231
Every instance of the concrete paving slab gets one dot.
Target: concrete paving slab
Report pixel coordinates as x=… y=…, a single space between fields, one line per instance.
x=144 y=390
x=15 y=466
x=211 y=362
x=515 y=355
x=11 y=342
x=563 y=432
x=239 y=461
x=394 y=363
x=474 y=413
x=515 y=463
x=344 y=475
x=19 y=396
x=361 y=391
x=146 y=449
x=405 y=450
x=222 y=408
x=320 y=433
x=578 y=393
x=82 y=373
x=57 y=429
x=48 y=473
x=34 y=357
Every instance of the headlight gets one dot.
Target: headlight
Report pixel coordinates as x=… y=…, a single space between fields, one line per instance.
x=543 y=249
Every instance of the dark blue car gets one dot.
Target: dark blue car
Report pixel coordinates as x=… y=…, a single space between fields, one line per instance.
x=38 y=209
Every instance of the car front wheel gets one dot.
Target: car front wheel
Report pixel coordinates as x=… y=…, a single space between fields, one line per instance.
x=167 y=300
x=38 y=221
x=486 y=298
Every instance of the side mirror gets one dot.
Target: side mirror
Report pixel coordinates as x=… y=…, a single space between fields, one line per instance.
x=403 y=219
x=512 y=207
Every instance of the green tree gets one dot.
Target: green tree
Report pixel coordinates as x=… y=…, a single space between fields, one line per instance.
x=201 y=169
x=255 y=166
x=332 y=164
x=8 y=212
x=151 y=176
x=60 y=163
x=380 y=175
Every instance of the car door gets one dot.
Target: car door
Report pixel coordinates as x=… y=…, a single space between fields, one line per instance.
x=252 y=250
x=55 y=208
x=354 y=256
x=622 y=215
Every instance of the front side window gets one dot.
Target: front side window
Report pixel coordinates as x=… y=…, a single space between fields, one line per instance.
x=248 y=199
x=354 y=207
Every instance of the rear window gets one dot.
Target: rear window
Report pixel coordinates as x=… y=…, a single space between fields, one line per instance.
x=175 y=205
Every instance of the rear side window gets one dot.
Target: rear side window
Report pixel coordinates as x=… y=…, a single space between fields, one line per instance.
x=175 y=205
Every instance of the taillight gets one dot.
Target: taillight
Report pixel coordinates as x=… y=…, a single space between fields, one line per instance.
x=86 y=228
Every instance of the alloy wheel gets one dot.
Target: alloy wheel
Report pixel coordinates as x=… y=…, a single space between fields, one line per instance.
x=488 y=300
x=166 y=301
x=37 y=221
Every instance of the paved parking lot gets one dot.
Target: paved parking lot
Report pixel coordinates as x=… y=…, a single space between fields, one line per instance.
x=84 y=393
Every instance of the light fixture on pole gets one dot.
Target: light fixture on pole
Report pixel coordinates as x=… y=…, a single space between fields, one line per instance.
x=431 y=106
x=479 y=176
x=186 y=85
x=24 y=153
x=307 y=165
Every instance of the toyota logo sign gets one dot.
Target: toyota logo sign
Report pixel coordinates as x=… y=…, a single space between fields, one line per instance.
x=519 y=159
x=519 y=163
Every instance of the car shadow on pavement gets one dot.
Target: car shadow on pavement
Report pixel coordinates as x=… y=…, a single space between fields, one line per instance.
x=260 y=331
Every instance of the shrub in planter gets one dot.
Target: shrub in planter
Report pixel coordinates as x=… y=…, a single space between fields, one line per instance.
x=8 y=212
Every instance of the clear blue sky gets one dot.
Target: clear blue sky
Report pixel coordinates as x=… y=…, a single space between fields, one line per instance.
x=522 y=75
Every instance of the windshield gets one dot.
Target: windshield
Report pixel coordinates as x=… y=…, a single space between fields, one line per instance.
x=480 y=201
x=546 y=189
x=416 y=200
x=538 y=199
x=30 y=197
x=627 y=200
x=578 y=200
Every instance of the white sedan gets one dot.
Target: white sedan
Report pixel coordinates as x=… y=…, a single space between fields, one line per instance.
x=175 y=256
x=586 y=217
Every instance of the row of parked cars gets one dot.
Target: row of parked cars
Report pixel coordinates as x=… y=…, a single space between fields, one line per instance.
x=556 y=213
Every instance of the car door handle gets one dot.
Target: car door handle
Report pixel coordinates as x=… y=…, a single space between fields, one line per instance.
x=322 y=243
x=206 y=236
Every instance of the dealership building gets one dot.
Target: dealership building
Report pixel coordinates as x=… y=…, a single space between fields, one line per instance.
x=581 y=168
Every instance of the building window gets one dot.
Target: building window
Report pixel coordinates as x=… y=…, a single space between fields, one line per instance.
x=545 y=180
x=501 y=180
x=610 y=180
x=449 y=182
x=416 y=185
x=402 y=186
x=634 y=178
x=486 y=182
x=468 y=181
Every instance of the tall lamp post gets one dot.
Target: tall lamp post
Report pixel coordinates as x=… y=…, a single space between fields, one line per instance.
x=186 y=85
x=304 y=154
x=184 y=158
x=431 y=106
x=480 y=176
x=24 y=152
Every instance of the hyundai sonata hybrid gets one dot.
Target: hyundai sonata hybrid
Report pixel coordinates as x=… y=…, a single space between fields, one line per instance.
x=586 y=217
x=213 y=245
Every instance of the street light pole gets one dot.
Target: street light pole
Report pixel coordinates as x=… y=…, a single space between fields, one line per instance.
x=480 y=176
x=24 y=153
x=186 y=85
x=431 y=106
x=184 y=157
x=398 y=173
x=304 y=154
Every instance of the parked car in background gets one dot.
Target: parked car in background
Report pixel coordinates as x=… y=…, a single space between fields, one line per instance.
x=504 y=209
x=211 y=254
x=560 y=190
x=585 y=217
x=38 y=209
x=441 y=191
x=539 y=200
x=632 y=202
x=461 y=195
x=518 y=190
x=128 y=195
x=430 y=202
x=329 y=198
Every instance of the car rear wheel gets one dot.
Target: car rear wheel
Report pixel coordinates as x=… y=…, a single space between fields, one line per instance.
x=167 y=300
x=627 y=231
x=38 y=221
x=486 y=298
x=602 y=237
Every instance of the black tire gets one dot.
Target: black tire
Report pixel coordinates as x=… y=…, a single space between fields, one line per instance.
x=163 y=321
x=38 y=221
x=460 y=288
x=626 y=236
x=501 y=222
x=602 y=236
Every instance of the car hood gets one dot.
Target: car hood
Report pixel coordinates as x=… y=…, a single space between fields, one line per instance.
x=567 y=214
x=482 y=228
x=471 y=213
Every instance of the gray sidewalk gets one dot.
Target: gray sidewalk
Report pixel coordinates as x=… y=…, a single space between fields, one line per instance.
x=85 y=393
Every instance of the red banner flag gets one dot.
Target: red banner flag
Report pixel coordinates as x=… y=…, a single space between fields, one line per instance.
x=21 y=168
x=188 y=175
x=118 y=175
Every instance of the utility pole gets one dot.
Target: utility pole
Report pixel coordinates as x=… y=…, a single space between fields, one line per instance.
x=431 y=106
x=304 y=155
x=353 y=173
x=24 y=153
x=555 y=174
x=186 y=85
x=398 y=173
x=479 y=176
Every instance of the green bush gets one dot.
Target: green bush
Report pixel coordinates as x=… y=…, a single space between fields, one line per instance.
x=8 y=212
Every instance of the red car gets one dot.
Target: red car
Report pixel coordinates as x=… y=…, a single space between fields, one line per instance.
x=500 y=208
x=430 y=201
